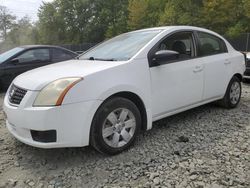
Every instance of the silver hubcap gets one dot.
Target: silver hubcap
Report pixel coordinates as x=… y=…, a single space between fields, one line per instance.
x=119 y=128
x=235 y=93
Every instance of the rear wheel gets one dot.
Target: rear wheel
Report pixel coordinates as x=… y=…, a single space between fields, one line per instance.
x=233 y=94
x=115 y=126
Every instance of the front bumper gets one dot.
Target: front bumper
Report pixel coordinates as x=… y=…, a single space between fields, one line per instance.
x=71 y=122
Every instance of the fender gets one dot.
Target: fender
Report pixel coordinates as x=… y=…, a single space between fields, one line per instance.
x=131 y=89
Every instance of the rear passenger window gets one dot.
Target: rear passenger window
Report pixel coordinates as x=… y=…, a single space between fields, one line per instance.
x=211 y=45
x=34 y=55
x=60 y=55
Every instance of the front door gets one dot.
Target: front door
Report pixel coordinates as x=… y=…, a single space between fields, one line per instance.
x=177 y=84
x=28 y=60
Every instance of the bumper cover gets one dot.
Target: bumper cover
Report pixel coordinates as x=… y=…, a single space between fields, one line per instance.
x=71 y=122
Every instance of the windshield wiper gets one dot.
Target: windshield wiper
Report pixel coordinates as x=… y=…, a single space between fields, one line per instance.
x=102 y=59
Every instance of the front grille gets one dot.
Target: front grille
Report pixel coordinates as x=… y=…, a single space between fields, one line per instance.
x=16 y=95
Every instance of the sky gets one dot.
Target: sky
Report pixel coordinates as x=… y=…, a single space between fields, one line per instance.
x=21 y=8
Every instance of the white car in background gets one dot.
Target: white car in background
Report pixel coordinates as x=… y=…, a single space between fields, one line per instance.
x=121 y=86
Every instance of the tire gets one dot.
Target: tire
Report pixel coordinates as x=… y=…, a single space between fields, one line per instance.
x=115 y=126
x=233 y=94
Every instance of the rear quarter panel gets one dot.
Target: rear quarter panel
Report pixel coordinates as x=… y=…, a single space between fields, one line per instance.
x=238 y=62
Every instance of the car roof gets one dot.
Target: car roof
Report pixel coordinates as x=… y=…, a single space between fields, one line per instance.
x=45 y=46
x=173 y=27
x=38 y=46
x=178 y=27
x=181 y=27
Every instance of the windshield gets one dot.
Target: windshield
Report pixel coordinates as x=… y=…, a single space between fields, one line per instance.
x=122 y=47
x=6 y=55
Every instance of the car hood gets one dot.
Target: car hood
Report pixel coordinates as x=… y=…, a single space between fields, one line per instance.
x=38 y=78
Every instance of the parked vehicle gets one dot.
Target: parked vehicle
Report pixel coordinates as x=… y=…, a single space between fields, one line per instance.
x=24 y=58
x=121 y=86
x=247 y=72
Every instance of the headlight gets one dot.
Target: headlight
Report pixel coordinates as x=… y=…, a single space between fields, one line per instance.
x=54 y=93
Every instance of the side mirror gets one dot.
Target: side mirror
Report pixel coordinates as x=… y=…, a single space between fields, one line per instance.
x=15 y=61
x=162 y=56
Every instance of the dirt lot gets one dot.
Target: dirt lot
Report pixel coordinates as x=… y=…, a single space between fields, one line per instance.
x=205 y=147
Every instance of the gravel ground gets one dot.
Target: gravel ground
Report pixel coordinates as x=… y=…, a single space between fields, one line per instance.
x=204 y=147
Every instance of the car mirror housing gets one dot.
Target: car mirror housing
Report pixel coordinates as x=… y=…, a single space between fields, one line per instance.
x=162 y=56
x=15 y=61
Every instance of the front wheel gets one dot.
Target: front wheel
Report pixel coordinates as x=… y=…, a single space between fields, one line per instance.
x=115 y=126
x=233 y=94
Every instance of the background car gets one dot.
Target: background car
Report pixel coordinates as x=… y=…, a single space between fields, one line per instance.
x=247 y=72
x=24 y=58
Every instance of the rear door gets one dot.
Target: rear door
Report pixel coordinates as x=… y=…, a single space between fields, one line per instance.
x=217 y=65
x=28 y=60
x=59 y=55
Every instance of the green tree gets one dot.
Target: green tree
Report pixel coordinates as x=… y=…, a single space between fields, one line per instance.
x=178 y=12
x=137 y=14
x=80 y=21
x=155 y=11
x=226 y=16
x=7 y=21
x=51 y=25
x=145 y=13
x=246 y=4
x=115 y=14
x=22 y=33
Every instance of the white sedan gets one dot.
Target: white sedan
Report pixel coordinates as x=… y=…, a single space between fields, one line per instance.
x=114 y=90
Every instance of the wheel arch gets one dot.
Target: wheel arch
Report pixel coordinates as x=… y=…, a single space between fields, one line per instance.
x=136 y=100
x=239 y=76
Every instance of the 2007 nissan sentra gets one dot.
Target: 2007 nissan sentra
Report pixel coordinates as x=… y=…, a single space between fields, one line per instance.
x=121 y=86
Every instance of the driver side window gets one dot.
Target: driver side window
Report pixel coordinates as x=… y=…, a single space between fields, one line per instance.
x=182 y=42
x=40 y=55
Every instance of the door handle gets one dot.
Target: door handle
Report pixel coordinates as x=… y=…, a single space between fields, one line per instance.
x=198 y=69
x=227 y=62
